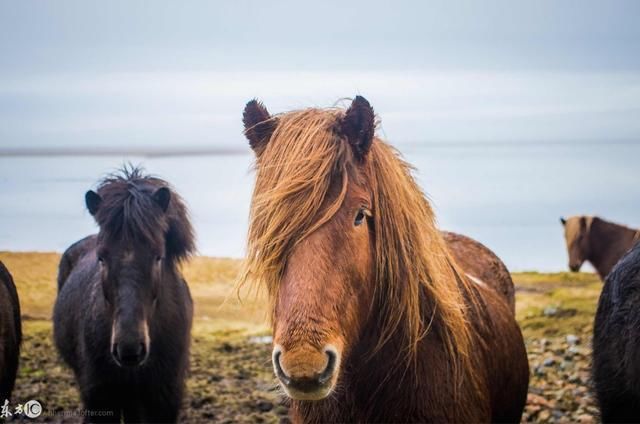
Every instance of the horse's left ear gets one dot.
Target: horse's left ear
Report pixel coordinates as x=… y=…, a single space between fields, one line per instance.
x=358 y=125
x=162 y=196
x=258 y=125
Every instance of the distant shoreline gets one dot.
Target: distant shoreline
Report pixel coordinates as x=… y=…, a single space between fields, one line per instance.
x=244 y=150
x=119 y=151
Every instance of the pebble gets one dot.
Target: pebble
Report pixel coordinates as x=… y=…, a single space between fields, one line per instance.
x=264 y=406
x=586 y=419
x=572 y=339
x=261 y=339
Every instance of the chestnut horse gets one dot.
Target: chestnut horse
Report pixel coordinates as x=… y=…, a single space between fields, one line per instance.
x=122 y=319
x=10 y=333
x=603 y=243
x=373 y=319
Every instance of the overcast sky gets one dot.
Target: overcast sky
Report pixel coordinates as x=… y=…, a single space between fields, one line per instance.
x=97 y=74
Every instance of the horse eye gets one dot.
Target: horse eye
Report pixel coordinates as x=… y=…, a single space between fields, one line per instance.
x=360 y=216
x=100 y=260
x=158 y=258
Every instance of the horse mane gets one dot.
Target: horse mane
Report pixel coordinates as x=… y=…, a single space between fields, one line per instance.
x=305 y=168
x=128 y=211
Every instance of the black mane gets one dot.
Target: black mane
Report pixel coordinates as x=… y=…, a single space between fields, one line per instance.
x=127 y=210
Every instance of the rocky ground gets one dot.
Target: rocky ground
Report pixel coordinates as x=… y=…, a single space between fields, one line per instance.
x=231 y=380
x=559 y=390
x=556 y=315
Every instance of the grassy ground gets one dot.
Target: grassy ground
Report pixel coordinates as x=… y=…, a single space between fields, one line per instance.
x=231 y=378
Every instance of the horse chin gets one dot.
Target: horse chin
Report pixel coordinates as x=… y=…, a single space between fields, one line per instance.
x=315 y=395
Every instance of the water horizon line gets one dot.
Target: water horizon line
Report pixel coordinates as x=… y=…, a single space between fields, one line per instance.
x=57 y=151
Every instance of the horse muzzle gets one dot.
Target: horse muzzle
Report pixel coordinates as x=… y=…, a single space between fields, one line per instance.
x=306 y=373
x=130 y=354
x=575 y=266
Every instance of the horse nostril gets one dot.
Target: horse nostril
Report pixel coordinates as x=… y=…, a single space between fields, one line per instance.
x=279 y=371
x=326 y=375
x=114 y=351
x=129 y=355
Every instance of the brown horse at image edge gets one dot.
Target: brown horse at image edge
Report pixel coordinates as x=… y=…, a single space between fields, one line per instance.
x=593 y=239
x=373 y=318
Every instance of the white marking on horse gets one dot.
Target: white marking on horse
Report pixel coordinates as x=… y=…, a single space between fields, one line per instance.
x=476 y=280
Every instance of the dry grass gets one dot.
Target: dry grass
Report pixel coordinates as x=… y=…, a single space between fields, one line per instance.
x=570 y=300
x=211 y=280
x=35 y=277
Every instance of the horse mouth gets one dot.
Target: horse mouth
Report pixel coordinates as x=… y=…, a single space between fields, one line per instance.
x=309 y=393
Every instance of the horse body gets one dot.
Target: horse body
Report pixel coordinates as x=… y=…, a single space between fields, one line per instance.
x=480 y=262
x=603 y=243
x=122 y=318
x=10 y=333
x=374 y=320
x=72 y=255
x=616 y=342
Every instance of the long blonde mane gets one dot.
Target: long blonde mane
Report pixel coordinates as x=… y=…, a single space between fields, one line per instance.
x=304 y=159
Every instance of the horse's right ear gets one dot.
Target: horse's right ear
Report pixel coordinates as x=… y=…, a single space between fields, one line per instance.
x=563 y=221
x=258 y=125
x=358 y=126
x=92 y=200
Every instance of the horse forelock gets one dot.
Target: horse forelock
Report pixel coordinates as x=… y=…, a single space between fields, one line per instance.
x=305 y=161
x=128 y=212
x=296 y=177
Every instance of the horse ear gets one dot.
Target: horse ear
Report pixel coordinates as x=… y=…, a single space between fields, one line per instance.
x=162 y=196
x=563 y=221
x=92 y=200
x=358 y=125
x=258 y=125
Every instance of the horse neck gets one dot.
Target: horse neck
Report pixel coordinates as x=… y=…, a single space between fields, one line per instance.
x=607 y=243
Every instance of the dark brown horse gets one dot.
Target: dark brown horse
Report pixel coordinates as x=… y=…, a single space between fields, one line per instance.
x=373 y=318
x=616 y=342
x=122 y=319
x=603 y=243
x=10 y=333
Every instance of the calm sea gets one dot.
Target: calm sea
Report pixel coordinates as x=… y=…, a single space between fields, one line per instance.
x=508 y=196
